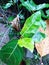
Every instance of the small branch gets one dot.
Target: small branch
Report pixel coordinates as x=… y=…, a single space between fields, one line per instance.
x=41 y=61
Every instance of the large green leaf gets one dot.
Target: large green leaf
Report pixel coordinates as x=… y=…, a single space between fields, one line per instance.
x=27 y=43
x=32 y=24
x=11 y=53
x=32 y=7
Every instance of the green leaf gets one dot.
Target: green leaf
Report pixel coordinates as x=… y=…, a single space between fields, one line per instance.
x=10 y=18
x=28 y=6
x=27 y=43
x=42 y=6
x=47 y=12
x=11 y=53
x=8 y=5
x=21 y=1
x=39 y=36
x=45 y=16
x=31 y=6
x=32 y=2
x=32 y=24
x=43 y=24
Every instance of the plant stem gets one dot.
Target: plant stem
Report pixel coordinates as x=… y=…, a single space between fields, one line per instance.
x=41 y=61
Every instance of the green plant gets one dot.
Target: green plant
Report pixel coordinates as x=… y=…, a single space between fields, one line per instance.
x=32 y=7
x=13 y=52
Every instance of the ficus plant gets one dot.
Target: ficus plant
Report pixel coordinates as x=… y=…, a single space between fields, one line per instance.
x=13 y=52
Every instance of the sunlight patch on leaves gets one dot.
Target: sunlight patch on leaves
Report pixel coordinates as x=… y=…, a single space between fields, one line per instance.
x=27 y=43
x=32 y=24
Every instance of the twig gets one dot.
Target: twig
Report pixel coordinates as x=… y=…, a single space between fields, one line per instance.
x=41 y=61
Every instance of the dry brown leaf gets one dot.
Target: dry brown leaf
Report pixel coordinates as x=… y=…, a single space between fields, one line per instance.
x=43 y=46
x=16 y=23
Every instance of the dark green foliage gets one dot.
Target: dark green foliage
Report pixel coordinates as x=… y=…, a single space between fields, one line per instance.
x=11 y=53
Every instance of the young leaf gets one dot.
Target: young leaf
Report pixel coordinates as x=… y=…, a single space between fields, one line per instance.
x=27 y=43
x=32 y=24
x=11 y=53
